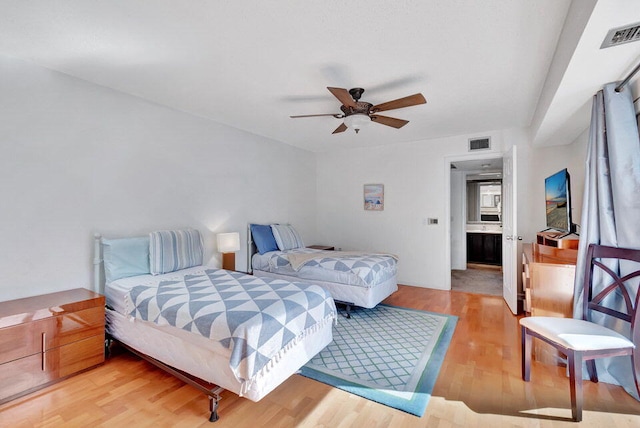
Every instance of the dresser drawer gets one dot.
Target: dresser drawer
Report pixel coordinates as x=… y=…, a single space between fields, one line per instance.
x=75 y=357
x=75 y=326
x=21 y=340
x=27 y=339
x=23 y=374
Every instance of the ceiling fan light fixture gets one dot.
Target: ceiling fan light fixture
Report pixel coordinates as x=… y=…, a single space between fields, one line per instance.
x=357 y=121
x=357 y=114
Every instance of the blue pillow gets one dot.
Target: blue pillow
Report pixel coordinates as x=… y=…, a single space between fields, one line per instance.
x=263 y=238
x=125 y=257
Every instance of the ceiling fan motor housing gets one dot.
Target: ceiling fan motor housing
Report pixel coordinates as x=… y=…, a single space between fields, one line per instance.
x=360 y=108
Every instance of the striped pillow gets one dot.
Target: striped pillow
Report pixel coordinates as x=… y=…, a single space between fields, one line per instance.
x=171 y=250
x=286 y=237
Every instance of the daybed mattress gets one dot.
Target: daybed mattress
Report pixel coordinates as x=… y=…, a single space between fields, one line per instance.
x=358 y=278
x=365 y=297
x=200 y=356
x=331 y=266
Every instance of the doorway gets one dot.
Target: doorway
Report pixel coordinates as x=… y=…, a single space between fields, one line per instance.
x=476 y=226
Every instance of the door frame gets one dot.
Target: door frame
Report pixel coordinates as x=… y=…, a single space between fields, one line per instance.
x=448 y=160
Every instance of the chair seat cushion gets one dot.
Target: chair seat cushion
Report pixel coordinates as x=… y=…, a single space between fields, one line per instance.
x=577 y=334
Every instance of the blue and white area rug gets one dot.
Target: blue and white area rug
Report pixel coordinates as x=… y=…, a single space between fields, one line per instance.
x=387 y=354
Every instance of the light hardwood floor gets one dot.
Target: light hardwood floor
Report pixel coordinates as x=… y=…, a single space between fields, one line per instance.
x=479 y=386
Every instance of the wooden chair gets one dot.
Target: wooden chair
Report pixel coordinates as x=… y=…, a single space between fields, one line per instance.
x=582 y=340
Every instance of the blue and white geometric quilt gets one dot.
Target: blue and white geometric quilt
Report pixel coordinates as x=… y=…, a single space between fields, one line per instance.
x=367 y=269
x=256 y=318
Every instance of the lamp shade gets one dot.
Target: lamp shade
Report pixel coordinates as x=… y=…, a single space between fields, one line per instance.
x=228 y=242
x=357 y=121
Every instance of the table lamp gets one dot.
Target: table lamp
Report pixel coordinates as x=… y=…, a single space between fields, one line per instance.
x=228 y=244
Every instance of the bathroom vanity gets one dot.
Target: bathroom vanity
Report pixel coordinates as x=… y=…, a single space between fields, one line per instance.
x=484 y=244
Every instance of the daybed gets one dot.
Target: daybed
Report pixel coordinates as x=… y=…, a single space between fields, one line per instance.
x=207 y=325
x=353 y=278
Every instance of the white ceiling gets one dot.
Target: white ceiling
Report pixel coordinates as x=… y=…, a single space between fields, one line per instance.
x=482 y=65
x=479 y=165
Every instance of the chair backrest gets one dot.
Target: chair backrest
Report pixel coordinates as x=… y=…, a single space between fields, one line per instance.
x=612 y=283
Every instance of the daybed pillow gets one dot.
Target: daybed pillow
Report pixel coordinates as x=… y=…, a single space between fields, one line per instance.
x=171 y=250
x=263 y=238
x=125 y=257
x=286 y=237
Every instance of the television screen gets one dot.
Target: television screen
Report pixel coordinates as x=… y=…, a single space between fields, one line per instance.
x=558 y=201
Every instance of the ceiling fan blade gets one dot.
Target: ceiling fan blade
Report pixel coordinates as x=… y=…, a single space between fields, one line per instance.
x=337 y=116
x=389 y=121
x=340 y=128
x=343 y=96
x=409 y=101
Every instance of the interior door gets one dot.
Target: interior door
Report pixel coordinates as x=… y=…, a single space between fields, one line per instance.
x=510 y=257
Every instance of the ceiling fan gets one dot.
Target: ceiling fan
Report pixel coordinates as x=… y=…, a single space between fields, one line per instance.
x=357 y=114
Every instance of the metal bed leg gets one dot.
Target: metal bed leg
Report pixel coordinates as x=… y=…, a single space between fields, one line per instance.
x=108 y=342
x=348 y=311
x=348 y=305
x=213 y=407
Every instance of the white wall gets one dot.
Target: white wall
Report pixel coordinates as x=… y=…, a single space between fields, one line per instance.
x=77 y=159
x=415 y=176
x=547 y=161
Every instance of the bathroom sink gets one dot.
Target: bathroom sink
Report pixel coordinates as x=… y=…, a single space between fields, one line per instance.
x=484 y=228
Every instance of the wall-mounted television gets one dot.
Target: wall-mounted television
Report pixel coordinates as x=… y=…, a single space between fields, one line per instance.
x=557 y=192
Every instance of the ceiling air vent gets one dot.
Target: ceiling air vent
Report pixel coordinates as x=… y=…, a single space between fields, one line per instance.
x=621 y=35
x=479 y=143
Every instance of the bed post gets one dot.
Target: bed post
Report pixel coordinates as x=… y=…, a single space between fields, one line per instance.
x=249 y=250
x=96 y=262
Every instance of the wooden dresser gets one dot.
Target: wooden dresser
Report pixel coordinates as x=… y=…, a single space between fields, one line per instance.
x=46 y=338
x=547 y=279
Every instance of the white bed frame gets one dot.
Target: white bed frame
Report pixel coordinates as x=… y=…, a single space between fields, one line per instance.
x=348 y=295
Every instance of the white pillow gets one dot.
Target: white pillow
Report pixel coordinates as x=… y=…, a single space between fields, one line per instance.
x=286 y=237
x=171 y=250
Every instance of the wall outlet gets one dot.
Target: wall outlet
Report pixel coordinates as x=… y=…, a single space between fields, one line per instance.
x=432 y=221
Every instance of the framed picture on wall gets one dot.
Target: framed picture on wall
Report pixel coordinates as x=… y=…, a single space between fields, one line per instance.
x=374 y=197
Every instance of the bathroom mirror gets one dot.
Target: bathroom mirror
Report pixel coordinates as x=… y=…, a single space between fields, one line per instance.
x=484 y=201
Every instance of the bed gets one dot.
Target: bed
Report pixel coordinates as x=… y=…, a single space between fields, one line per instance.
x=213 y=328
x=353 y=278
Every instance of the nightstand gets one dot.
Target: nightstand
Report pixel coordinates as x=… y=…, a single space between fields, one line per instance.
x=46 y=338
x=322 y=247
